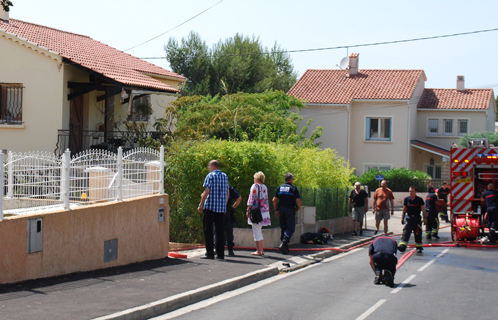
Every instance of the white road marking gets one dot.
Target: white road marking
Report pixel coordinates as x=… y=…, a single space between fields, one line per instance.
x=230 y=294
x=404 y=283
x=425 y=266
x=371 y=310
x=442 y=253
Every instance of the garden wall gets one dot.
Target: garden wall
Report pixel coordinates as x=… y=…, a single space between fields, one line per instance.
x=73 y=240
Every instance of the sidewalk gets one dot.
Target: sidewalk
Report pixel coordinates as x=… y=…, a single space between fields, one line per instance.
x=99 y=293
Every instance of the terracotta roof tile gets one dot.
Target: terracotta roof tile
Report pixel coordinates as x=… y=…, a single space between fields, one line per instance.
x=338 y=87
x=477 y=99
x=92 y=54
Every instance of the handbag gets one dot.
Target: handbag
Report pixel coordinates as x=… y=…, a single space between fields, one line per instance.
x=255 y=214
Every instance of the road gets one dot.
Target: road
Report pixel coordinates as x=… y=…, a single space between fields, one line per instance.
x=441 y=283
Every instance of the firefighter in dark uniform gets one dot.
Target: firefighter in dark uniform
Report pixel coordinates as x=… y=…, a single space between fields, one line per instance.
x=412 y=206
x=442 y=193
x=432 y=224
x=382 y=253
x=491 y=198
x=289 y=202
x=234 y=200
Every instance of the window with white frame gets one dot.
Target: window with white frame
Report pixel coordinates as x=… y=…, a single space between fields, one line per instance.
x=448 y=127
x=463 y=127
x=379 y=129
x=433 y=126
x=383 y=167
x=142 y=108
x=434 y=171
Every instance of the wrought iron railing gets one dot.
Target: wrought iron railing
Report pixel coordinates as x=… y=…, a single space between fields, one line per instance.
x=79 y=140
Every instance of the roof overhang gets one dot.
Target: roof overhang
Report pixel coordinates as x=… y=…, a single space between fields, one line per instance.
x=466 y=110
x=431 y=148
x=31 y=45
x=160 y=76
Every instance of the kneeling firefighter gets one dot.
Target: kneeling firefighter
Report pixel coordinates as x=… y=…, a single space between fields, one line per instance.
x=412 y=206
x=383 y=259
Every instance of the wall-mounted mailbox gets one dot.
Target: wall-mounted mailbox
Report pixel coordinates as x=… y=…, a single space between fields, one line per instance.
x=161 y=214
x=110 y=250
x=34 y=241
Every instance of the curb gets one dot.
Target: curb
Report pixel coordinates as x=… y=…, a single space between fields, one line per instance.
x=178 y=301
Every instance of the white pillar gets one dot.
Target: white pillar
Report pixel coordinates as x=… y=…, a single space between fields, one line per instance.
x=1 y=184
x=10 y=182
x=161 y=170
x=120 y=174
x=67 y=169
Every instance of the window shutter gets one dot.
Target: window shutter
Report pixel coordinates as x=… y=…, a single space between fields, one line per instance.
x=391 y=129
x=368 y=128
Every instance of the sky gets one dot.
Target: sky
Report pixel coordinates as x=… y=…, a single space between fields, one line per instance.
x=299 y=25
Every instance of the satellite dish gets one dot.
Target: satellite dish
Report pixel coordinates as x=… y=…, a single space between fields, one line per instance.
x=344 y=63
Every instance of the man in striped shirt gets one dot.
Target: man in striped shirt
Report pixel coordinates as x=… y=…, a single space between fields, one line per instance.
x=213 y=206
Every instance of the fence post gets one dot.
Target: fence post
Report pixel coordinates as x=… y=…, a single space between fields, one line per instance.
x=1 y=184
x=161 y=170
x=10 y=182
x=120 y=174
x=66 y=163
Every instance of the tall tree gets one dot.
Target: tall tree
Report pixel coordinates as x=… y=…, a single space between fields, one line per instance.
x=237 y=64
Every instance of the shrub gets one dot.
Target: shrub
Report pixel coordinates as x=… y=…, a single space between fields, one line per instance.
x=398 y=179
x=187 y=167
x=491 y=136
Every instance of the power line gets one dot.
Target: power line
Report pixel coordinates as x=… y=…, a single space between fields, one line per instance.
x=162 y=34
x=340 y=47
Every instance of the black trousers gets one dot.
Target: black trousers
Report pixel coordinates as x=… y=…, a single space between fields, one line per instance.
x=287 y=223
x=415 y=226
x=385 y=261
x=228 y=222
x=493 y=222
x=432 y=226
x=208 y=219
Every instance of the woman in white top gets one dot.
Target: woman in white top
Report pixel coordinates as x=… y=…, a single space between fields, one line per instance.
x=258 y=196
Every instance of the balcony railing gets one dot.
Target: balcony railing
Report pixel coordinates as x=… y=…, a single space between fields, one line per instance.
x=78 y=141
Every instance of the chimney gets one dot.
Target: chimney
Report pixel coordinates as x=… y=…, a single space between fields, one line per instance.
x=460 y=83
x=353 y=63
x=4 y=15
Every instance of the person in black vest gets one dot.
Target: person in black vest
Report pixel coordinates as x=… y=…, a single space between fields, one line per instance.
x=358 y=202
x=289 y=202
x=432 y=224
x=412 y=206
x=491 y=198
x=382 y=253
x=443 y=193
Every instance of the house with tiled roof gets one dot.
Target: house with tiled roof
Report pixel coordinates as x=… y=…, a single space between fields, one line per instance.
x=62 y=90
x=388 y=119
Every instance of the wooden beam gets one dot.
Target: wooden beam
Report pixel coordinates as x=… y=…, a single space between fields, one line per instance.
x=110 y=93
x=81 y=92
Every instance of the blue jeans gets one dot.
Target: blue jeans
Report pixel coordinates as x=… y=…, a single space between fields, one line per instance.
x=287 y=223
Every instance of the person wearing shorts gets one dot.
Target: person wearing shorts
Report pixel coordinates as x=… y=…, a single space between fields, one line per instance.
x=383 y=206
x=358 y=203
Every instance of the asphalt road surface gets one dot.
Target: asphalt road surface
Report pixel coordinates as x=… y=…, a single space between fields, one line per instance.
x=441 y=283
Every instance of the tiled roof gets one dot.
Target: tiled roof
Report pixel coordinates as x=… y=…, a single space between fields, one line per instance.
x=338 y=87
x=430 y=147
x=93 y=55
x=476 y=99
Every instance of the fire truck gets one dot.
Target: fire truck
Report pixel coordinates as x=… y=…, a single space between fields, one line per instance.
x=472 y=169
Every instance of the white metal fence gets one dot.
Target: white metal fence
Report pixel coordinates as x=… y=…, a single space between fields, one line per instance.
x=38 y=181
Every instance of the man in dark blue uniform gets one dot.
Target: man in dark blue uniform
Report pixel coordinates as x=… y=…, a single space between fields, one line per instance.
x=289 y=201
x=491 y=198
x=443 y=194
x=432 y=224
x=412 y=206
x=382 y=253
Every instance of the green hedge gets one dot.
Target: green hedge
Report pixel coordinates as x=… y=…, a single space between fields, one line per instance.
x=186 y=168
x=398 y=179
